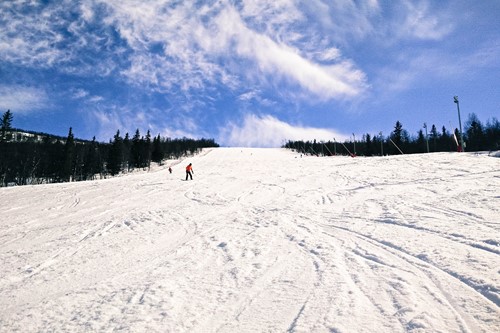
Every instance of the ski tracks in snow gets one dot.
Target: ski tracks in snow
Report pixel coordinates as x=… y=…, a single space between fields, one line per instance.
x=260 y=240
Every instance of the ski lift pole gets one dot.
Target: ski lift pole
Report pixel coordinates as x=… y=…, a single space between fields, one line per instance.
x=455 y=100
x=426 y=137
x=381 y=145
x=327 y=149
x=395 y=145
x=314 y=153
x=347 y=149
x=354 y=142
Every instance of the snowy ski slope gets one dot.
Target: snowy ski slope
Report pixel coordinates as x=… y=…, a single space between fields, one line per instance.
x=261 y=240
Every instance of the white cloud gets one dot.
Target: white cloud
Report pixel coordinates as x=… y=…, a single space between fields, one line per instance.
x=256 y=96
x=278 y=60
x=421 y=23
x=21 y=99
x=196 y=46
x=248 y=96
x=268 y=131
x=80 y=93
x=388 y=22
x=96 y=99
x=272 y=18
x=328 y=54
x=344 y=21
x=202 y=47
x=86 y=11
x=30 y=39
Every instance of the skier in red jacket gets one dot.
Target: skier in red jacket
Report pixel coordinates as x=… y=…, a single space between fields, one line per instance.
x=189 y=171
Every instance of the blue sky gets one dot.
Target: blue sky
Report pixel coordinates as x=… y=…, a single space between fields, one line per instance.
x=247 y=72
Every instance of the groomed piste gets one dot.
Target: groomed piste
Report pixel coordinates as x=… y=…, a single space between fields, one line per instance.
x=261 y=240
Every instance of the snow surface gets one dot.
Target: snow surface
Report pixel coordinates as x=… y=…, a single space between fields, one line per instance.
x=262 y=240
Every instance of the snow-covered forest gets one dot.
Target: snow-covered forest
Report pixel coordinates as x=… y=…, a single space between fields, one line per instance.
x=262 y=240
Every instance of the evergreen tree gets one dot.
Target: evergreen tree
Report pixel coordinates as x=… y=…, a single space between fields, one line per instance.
x=127 y=145
x=69 y=155
x=91 y=165
x=421 y=143
x=147 y=150
x=51 y=155
x=115 y=157
x=397 y=133
x=475 y=133
x=434 y=137
x=398 y=136
x=135 y=150
x=445 y=141
x=377 y=145
x=492 y=134
x=157 y=154
x=6 y=123
x=368 y=151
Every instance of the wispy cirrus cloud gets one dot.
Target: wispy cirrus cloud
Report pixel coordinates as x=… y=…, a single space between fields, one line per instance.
x=79 y=93
x=421 y=21
x=21 y=99
x=197 y=46
x=325 y=81
x=255 y=96
x=190 y=67
x=345 y=21
x=163 y=45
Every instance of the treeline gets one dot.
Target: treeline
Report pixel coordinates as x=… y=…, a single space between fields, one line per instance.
x=53 y=160
x=476 y=135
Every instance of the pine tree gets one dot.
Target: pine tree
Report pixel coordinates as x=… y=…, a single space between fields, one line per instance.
x=420 y=144
x=6 y=123
x=397 y=133
x=69 y=155
x=397 y=137
x=492 y=134
x=445 y=140
x=157 y=154
x=474 y=130
x=434 y=137
x=368 y=145
x=115 y=155
x=127 y=145
x=147 y=150
x=91 y=162
x=135 y=150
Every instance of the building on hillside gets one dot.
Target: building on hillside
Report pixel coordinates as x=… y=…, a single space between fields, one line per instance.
x=22 y=136
x=16 y=135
